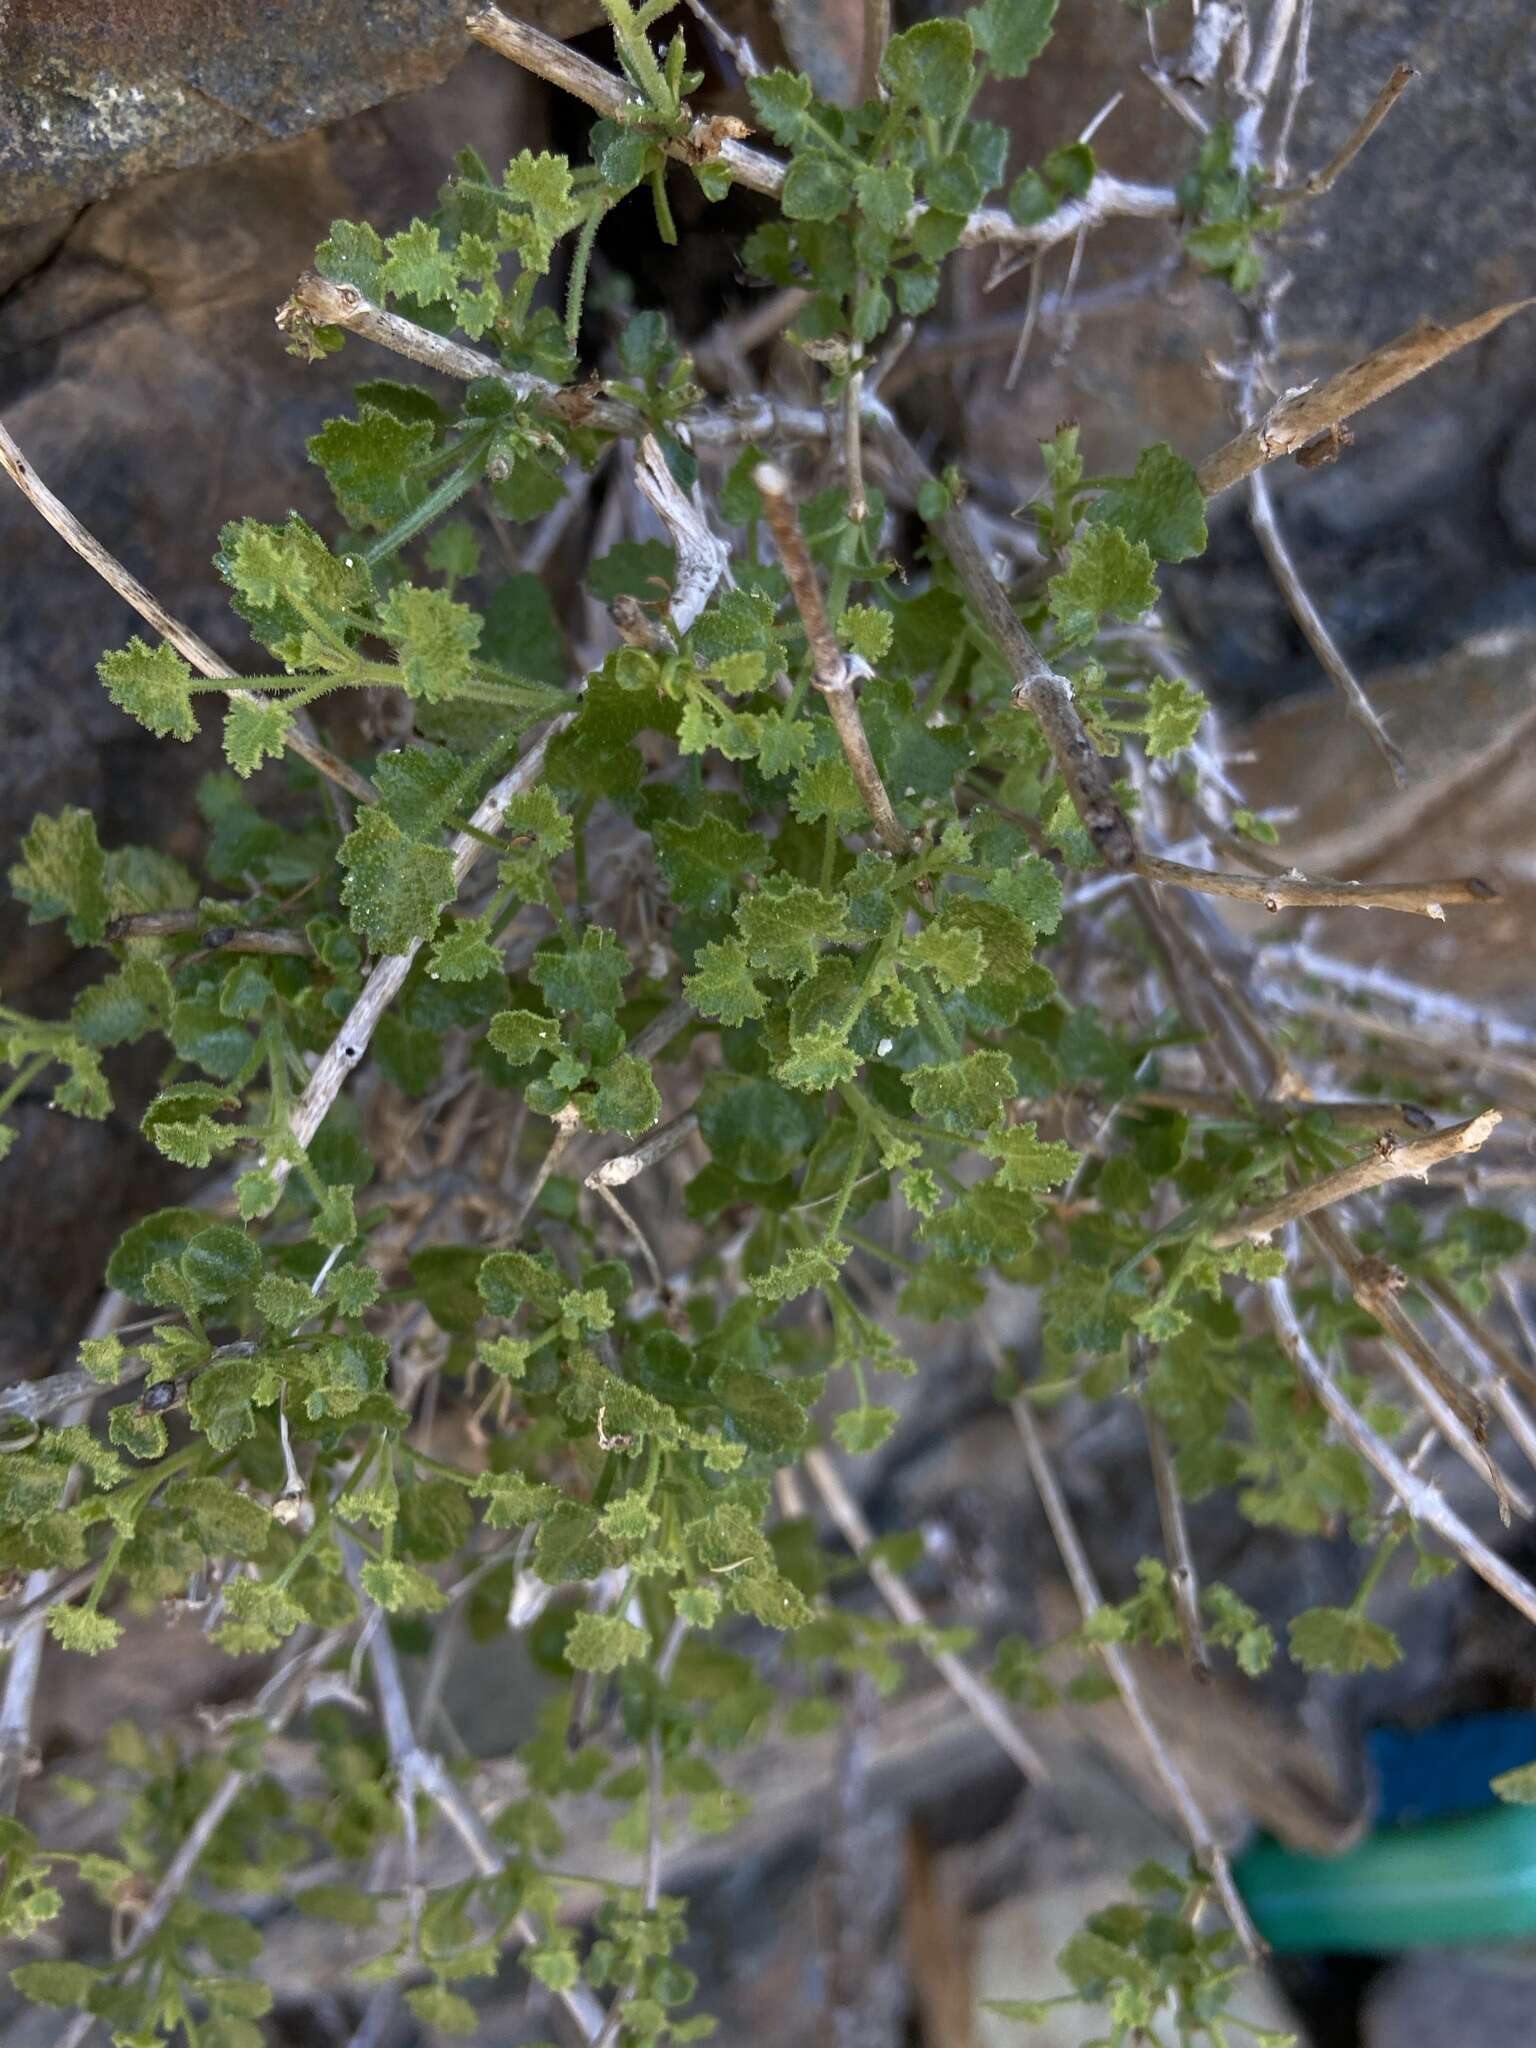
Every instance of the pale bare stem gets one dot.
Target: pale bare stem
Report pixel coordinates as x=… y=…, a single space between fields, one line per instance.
x=1183 y=1573
x=1424 y=1005
x=318 y=301
x=420 y=1770
x=1499 y=1358
x=1282 y=566
x=40 y=1587
x=378 y=2018
x=1301 y=78
x=1209 y=1102
x=853 y=446
x=1236 y=1045
x=937 y=349
x=1297 y=892
x=1418 y=1497
x=1121 y=1670
x=1492 y=1366
x=348 y=1047
x=36 y=1400
x=1323 y=180
x=627 y=1166
x=651 y=1881
x=1032 y=304
x=162 y=924
x=1180 y=101
x=635 y=1234
x=300 y=735
x=1393 y=1159
x=656 y=1036
x=12 y=1618
x=717 y=140
x=567 y=1124
x=534 y=550
x=1106 y=199
x=1456 y=1413
x=1456 y=1416
x=1427 y=1048
x=975 y=1694
x=713 y=140
x=1514 y=1301
x=1066 y=312
x=1301 y=416
x=702 y=557
x=829 y=665
x=1260 y=80
x=737 y=48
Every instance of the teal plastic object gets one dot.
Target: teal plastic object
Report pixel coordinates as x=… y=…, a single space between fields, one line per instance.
x=1432 y=1886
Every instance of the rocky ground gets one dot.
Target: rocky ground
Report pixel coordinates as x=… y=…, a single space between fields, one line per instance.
x=140 y=370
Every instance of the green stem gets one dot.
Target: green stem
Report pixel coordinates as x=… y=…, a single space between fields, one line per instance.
x=879 y=1251
x=666 y=226
x=849 y=1183
x=639 y=58
x=946 y=681
x=580 y=262
x=939 y=1026
x=828 y=853
x=1378 y=1564
x=471 y=830
x=606 y=1480
x=105 y=1576
x=26 y=1075
x=436 y=502
x=579 y=824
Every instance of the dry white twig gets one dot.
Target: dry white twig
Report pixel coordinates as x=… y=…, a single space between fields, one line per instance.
x=1324 y=180
x=1418 y=1497
x=1393 y=1159
x=831 y=668
x=1301 y=416
x=1492 y=1356
x=1457 y=1414
x=345 y=1051
x=1118 y=1664
x=658 y=1145
x=737 y=48
x=1282 y=566
x=702 y=557
x=1297 y=892
x=300 y=734
x=420 y=1770
x=718 y=140
x=973 y=1692
x=27 y=1640
x=1183 y=1573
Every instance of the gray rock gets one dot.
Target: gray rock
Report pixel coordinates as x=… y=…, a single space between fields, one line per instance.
x=96 y=96
x=1517 y=488
x=1435 y=1999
